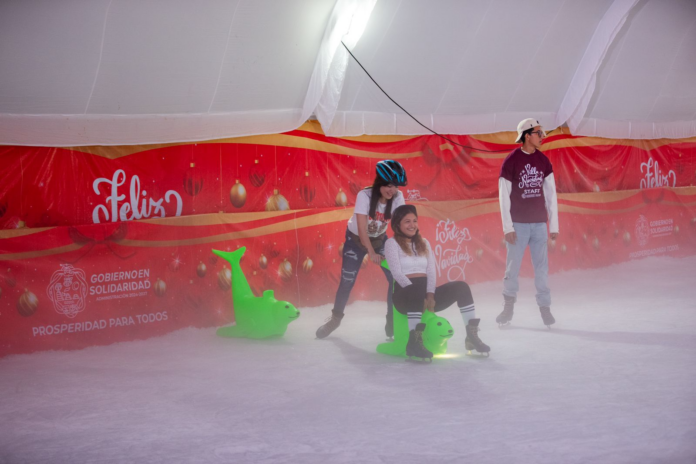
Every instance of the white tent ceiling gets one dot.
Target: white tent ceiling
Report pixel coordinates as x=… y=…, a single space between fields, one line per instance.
x=113 y=72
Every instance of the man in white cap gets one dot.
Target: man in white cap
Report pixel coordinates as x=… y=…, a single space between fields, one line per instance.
x=527 y=195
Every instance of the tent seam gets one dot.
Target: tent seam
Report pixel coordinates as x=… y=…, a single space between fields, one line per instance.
x=224 y=54
x=101 y=54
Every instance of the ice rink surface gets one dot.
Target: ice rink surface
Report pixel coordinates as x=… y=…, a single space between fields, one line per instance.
x=613 y=382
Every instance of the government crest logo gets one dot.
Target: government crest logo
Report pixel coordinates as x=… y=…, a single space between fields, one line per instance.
x=68 y=290
x=642 y=230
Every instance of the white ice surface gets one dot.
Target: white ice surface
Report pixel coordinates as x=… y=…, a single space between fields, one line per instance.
x=613 y=382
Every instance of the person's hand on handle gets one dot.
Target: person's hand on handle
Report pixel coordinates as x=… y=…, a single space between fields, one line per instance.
x=429 y=303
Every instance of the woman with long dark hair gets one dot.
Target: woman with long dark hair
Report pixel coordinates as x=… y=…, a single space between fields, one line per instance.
x=412 y=265
x=365 y=235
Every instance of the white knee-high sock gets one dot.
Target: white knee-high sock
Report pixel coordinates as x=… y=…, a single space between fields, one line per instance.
x=468 y=313
x=413 y=320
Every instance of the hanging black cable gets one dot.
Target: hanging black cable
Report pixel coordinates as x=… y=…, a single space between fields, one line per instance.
x=412 y=117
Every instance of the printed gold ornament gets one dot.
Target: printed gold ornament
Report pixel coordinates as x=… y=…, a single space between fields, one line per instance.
x=564 y=248
x=365 y=261
x=479 y=253
x=175 y=264
x=285 y=270
x=193 y=182
x=340 y=250
x=277 y=202
x=354 y=185
x=27 y=303
x=225 y=279
x=307 y=265
x=307 y=188
x=9 y=279
x=596 y=244
x=272 y=250
x=201 y=269
x=627 y=238
x=160 y=287
x=238 y=195
x=341 y=198
x=263 y=262
x=257 y=176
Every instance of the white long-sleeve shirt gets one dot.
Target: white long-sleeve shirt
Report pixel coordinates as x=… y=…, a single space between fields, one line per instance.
x=550 y=199
x=529 y=175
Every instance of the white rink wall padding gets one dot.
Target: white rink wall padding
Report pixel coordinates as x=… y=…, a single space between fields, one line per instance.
x=611 y=383
x=114 y=72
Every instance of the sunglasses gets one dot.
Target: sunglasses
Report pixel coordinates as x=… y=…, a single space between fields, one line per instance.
x=539 y=132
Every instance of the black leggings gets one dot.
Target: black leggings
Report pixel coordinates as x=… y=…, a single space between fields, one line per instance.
x=411 y=299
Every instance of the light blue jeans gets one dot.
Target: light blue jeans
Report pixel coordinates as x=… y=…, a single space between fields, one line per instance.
x=536 y=236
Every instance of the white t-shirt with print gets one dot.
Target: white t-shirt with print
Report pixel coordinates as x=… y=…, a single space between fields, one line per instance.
x=378 y=225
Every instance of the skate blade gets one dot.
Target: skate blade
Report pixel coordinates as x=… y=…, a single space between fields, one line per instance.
x=416 y=360
x=390 y=339
x=503 y=324
x=477 y=354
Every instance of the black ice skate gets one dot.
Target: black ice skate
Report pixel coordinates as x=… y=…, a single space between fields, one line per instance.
x=546 y=316
x=415 y=350
x=472 y=341
x=331 y=324
x=389 y=327
x=505 y=317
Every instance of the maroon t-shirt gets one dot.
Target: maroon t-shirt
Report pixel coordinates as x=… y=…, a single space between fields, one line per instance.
x=527 y=174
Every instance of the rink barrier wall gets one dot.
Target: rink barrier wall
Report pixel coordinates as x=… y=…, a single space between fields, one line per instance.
x=70 y=287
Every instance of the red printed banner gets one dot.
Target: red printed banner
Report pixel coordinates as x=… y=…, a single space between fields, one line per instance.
x=74 y=286
x=302 y=169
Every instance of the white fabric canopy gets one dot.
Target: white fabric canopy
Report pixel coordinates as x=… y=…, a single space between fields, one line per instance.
x=115 y=72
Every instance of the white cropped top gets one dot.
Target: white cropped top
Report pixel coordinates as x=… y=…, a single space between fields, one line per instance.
x=401 y=264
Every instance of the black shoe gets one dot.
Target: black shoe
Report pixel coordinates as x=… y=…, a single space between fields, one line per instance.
x=546 y=316
x=415 y=347
x=389 y=326
x=331 y=324
x=472 y=341
x=505 y=317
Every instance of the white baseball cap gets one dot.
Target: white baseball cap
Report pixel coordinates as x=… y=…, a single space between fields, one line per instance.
x=524 y=125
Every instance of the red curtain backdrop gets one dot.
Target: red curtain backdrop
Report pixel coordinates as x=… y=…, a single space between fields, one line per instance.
x=106 y=244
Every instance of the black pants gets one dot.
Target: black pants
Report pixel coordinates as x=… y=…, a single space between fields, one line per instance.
x=353 y=254
x=411 y=299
